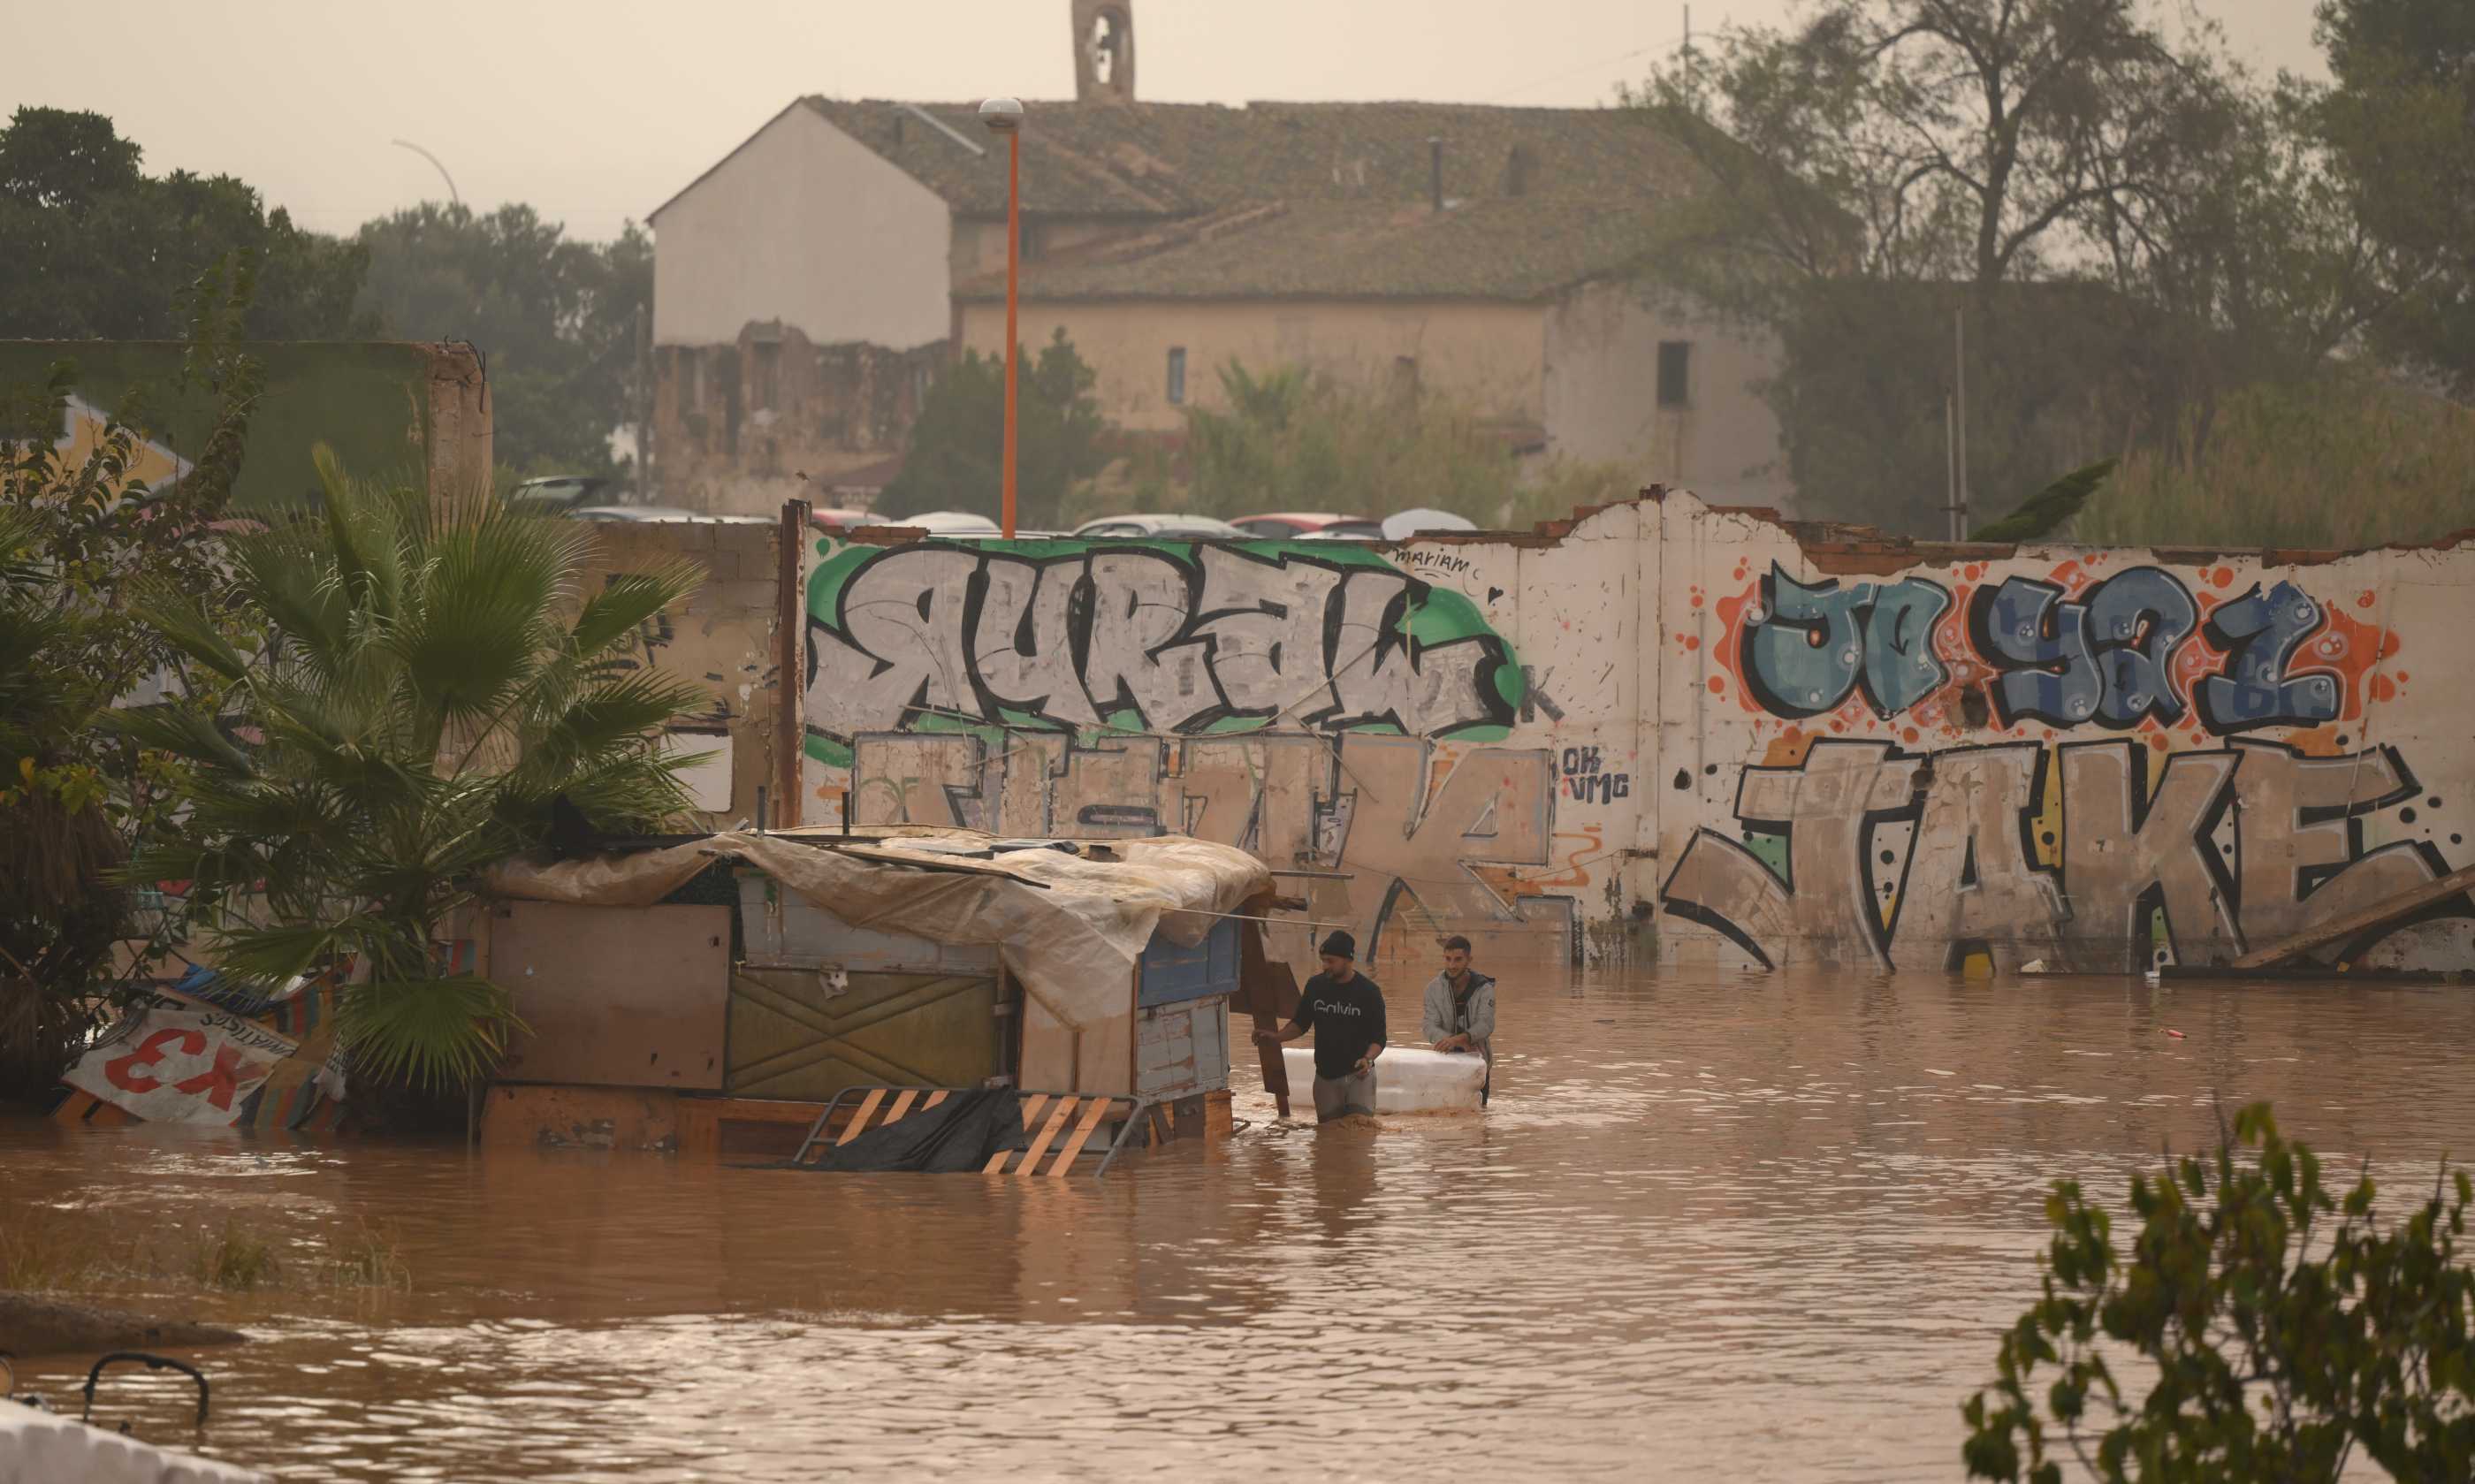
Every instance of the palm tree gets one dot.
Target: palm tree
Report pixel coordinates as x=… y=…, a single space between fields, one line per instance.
x=434 y=683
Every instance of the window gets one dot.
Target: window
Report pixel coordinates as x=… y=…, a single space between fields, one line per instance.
x=1675 y=373
x=1035 y=240
x=1176 y=376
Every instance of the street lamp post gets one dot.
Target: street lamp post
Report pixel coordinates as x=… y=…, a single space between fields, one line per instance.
x=1004 y=115
x=451 y=193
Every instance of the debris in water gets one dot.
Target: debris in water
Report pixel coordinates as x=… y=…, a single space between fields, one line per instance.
x=2177 y=1035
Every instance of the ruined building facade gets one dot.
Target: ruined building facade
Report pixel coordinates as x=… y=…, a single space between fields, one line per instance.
x=810 y=285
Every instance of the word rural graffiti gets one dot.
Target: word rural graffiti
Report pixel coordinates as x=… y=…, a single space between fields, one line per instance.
x=1164 y=638
x=1863 y=854
x=2105 y=656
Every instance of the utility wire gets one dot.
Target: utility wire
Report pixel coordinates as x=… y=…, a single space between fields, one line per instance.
x=1661 y=48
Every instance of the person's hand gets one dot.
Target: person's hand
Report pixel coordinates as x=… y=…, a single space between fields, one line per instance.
x=1269 y=1036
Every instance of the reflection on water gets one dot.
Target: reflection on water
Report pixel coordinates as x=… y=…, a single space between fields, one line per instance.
x=1763 y=1225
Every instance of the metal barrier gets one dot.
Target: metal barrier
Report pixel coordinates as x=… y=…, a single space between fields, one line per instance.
x=1072 y=1117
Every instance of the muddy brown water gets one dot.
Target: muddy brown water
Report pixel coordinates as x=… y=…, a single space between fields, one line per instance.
x=1715 y=1227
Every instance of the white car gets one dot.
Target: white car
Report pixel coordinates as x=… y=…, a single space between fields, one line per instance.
x=1161 y=527
x=942 y=522
x=657 y=513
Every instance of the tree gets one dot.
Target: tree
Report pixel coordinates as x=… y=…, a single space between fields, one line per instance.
x=76 y=541
x=2286 y=1328
x=2128 y=224
x=953 y=459
x=556 y=319
x=432 y=685
x=99 y=249
x=2402 y=122
x=1293 y=439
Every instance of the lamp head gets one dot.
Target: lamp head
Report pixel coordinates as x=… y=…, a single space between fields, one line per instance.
x=1002 y=116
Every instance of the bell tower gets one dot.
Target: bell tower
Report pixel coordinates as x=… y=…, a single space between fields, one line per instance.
x=1104 y=50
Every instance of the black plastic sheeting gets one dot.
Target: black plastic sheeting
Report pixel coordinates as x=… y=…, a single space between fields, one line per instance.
x=960 y=1134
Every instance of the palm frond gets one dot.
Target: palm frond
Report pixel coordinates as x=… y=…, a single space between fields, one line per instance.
x=179 y=618
x=181 y=731
x=431 y=1032
x=629 y=601
x=274 y=955
x=2048 y=510
x=611 y=711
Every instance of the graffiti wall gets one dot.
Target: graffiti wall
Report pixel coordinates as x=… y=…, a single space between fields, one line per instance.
x=1371 y=721
x=1916 y=757
x=1668 y=729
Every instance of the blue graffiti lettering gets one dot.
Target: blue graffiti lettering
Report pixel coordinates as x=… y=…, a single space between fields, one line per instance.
x=2042 y=642
x=2262 y=634
x=1811 y=646
x=1901 y=668
x=2137 y=619
x=2108 y=659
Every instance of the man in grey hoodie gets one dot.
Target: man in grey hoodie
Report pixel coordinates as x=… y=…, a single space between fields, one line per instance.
x=1461 y=1008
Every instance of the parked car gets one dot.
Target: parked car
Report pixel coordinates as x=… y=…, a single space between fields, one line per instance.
x=558 y=494
x=837 y=521
x=1161 y=527
x=642 y=514
x=1284 y=524
x=1402 y=524
x=942 y=522
x=1347 y=528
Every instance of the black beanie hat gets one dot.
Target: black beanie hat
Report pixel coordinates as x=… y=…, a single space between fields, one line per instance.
x=1341 y=945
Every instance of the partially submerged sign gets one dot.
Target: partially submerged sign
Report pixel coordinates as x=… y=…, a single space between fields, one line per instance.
x=173 y=1061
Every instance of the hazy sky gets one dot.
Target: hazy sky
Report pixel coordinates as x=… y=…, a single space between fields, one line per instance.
x=598 y=113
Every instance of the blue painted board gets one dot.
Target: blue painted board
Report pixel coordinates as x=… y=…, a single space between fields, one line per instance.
x=1173 y=972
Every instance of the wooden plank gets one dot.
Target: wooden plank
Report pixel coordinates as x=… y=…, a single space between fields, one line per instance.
x=902 y=1106
x=859 y=1120
x=1089 y=1121
x=1047 y=1132
x=2364 y=920
x=996 y=1162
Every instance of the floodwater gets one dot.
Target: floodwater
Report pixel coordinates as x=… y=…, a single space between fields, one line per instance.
x=1715 y=1227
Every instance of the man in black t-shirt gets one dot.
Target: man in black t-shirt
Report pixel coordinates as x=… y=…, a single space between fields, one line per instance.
x=1344 y=1008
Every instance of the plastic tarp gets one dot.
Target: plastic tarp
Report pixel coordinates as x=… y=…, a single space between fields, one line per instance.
x=1070 y=928
x=955 y=1135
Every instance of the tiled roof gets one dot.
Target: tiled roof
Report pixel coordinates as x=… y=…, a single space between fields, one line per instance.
x=1490 y=249
x=1302 y=199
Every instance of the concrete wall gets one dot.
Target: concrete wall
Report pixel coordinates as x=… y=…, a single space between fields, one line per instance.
x=1680 y=731
x=1884 y=755
x=1484 y=352
x=1259 y=695
x=724 y=637
x=801 y=224
x=1601 y=396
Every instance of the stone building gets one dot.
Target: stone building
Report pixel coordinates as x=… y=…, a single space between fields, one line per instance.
x=809 y=285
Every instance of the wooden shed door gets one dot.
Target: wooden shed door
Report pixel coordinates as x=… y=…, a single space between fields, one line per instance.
x=796 y=1033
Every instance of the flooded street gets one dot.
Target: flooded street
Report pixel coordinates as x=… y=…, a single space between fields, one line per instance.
x=1715 y=1227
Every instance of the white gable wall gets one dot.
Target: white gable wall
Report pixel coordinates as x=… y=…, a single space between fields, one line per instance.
x=804 y=224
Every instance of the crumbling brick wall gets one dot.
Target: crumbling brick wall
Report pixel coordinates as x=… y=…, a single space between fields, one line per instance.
x=741 y=427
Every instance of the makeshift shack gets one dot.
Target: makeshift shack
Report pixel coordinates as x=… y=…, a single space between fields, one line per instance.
x=828 y=961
